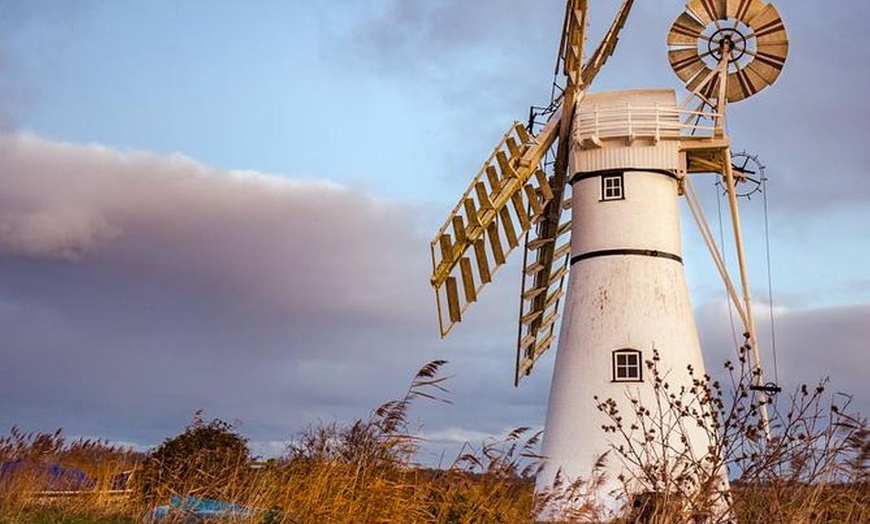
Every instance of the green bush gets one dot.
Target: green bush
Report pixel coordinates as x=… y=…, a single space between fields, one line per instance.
x=208 y=459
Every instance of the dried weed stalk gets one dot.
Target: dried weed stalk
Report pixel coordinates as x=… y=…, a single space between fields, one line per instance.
x=812 y=468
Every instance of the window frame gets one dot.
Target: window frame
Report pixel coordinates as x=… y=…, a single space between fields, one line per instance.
x=637 y=365
x=619 y=186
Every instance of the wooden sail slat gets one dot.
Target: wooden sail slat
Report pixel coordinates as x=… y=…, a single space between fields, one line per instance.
x=527 y=341
x=482 y=262
x=553 y=298
x=507 y=170
x=534 y=201
x=543 y=185
x=520 y=210
x=495 y=244
x=494 y=180
x=532 y=293
x=446 y=246
x=472 y=217
x=538 y=243
x=530 y=317
x=507 y=224
x=514 y=148
x=557 y=276
x=543 y=345
x=459 y=229
x=549 y=320
x=483 y=197
x=452 y=299
x=533 y=268
x=467 y=279
x=523 y=134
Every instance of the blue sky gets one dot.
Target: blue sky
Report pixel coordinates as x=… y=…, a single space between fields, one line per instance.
x=235 y=86
x=226 y=205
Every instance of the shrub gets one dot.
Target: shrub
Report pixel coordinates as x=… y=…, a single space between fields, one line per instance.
x=208 y=459
x=808 y=464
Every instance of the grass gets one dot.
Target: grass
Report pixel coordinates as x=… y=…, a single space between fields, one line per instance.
x=64 y=515
x=815 y=470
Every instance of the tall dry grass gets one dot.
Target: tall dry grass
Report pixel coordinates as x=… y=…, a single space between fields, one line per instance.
x=30 y=491
x=366 y=471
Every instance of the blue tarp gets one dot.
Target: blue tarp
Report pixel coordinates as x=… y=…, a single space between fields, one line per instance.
x=54 y=477
x=200 y=509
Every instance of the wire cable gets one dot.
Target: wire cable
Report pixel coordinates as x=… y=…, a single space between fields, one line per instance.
x=770 y=283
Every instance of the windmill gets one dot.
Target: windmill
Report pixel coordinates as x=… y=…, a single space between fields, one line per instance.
x=624 y=158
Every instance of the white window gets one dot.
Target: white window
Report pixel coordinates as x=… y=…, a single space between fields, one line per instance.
x=612 y=187
x=627 y=366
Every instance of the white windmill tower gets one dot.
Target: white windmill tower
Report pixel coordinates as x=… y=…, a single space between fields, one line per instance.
x=625 y=158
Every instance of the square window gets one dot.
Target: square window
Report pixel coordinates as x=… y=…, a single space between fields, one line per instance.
x=612 y=187
x=627 y=366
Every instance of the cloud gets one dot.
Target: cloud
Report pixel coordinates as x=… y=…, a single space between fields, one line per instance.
x=484 y=63
x=141 y=288
x=414 y=37
x=213 y=232
x=53 y=233
x=158 y=285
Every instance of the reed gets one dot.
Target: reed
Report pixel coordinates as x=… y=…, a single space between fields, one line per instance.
x=366 y=471
x=33 y=489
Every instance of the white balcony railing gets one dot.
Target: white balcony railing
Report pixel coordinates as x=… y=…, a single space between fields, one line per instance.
x=634 y=122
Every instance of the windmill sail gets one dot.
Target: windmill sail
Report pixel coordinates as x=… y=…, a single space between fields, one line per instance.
x=502 y=203
x=510 y=196
x=548 y=253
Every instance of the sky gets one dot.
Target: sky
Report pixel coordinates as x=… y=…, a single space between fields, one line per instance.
x=226 y=206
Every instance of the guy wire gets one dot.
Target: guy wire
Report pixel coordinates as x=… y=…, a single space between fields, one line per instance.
x=769 y=282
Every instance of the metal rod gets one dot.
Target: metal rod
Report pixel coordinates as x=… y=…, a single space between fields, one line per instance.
x=757 y=370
